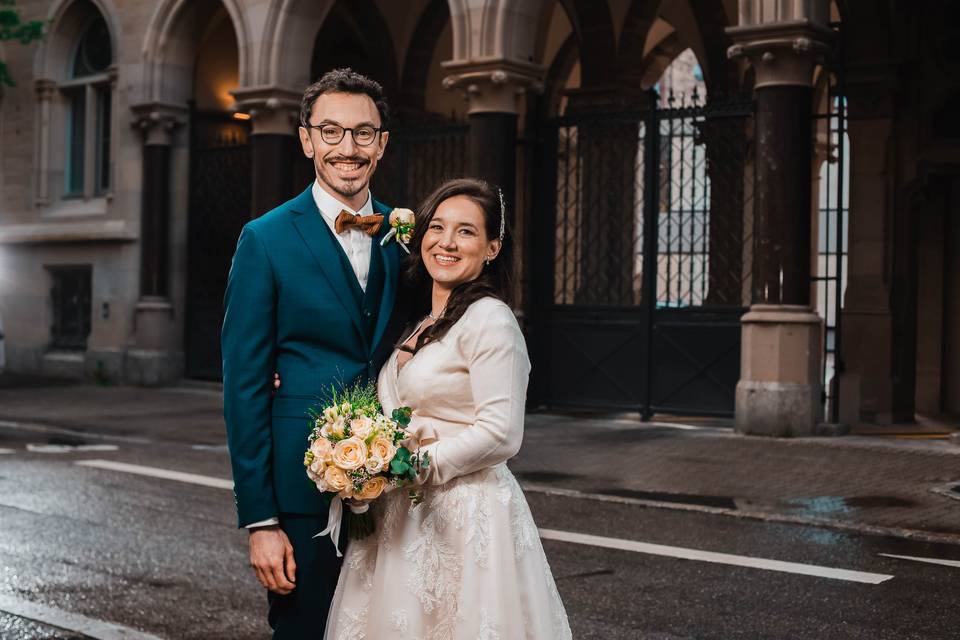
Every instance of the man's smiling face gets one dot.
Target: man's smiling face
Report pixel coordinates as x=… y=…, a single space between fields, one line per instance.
x=344 y=169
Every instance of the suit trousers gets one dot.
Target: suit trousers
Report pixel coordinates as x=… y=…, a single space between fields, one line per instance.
x=302 y=614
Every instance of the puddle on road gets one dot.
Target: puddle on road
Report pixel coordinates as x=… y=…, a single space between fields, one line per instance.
x=827 y=506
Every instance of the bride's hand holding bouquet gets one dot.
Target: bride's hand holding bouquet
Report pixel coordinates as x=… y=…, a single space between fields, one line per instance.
x=356 y=453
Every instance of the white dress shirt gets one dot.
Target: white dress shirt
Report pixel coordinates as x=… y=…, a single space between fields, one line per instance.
x=356 y=244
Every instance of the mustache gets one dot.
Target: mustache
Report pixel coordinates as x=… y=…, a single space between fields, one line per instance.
x=342 y=158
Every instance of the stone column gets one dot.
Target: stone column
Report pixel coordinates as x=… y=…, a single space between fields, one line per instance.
x=46 y=90
x=492 y=90
x=155 y=358
x=866 y=384
x=779 y=393
x=274 y=146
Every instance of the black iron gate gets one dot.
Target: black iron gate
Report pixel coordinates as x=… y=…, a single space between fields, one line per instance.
x=219 y=207
x=418 y=158
x=639 y=290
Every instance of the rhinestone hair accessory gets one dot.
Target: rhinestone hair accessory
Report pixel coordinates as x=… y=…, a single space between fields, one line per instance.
x=503 y=214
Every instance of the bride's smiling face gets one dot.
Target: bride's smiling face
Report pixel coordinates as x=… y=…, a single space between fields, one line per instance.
x=456 y=244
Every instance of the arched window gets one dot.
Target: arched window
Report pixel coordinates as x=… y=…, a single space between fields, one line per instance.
x=87 y=94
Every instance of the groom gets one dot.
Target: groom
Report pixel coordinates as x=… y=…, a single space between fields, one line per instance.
x=310 y=295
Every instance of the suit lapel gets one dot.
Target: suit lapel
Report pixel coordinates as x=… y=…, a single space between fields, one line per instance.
x=391 y=266
x=320 y=243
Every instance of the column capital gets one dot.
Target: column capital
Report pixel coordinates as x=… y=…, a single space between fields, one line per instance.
x=272 y=109
x=782 y=53
x=493 y=85
x=45 y=88
x=157 y=121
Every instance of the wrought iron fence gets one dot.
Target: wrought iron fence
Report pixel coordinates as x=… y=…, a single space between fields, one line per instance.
x=704 y=207
x=417 y=159
x=833 y=210
x=647 y=273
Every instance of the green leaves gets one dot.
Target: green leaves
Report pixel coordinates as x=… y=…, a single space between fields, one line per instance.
x=402 y=416
x=12 y=27
x=406 y=466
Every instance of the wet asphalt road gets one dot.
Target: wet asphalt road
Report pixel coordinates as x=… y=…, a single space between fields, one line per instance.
x=163 y=557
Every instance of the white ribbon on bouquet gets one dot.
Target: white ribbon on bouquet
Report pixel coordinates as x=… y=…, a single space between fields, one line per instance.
x=335 y=520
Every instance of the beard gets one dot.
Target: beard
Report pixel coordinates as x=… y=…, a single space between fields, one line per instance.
x=346 y=187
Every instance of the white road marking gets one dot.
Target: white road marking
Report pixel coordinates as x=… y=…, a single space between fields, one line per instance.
x=155 y=472
x=210 y=447
x=562 y=536
x=43 y=428
x=70 y=448
x=2 y=450
x=946 y=563
x=73 y=622
x=717 y=558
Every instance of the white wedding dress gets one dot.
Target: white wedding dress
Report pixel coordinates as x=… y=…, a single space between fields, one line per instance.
x=467 y=563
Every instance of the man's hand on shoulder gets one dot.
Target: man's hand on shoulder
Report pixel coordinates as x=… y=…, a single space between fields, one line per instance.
x=271 y=556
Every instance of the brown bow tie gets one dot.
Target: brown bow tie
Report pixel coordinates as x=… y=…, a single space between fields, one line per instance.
x=370 y=225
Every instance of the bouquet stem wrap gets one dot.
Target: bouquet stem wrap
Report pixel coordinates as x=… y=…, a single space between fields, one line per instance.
x=359 y=523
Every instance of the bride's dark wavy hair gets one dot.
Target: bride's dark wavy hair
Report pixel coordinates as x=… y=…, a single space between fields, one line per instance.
x=495 y=280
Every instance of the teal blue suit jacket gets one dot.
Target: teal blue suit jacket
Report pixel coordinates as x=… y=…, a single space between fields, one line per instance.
x=290 y=309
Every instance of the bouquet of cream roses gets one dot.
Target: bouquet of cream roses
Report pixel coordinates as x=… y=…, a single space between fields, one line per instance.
x=356 y=453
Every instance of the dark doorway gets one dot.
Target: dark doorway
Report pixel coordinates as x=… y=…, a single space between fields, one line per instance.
x=219 y=207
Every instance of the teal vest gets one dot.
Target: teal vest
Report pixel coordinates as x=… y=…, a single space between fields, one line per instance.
x=368 y=302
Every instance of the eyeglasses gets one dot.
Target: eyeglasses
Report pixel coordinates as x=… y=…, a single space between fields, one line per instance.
x=363 y=136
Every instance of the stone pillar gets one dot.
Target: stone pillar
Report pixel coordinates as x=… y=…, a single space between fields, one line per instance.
x=155 y=357
x=866 y=384
x=779 y=393
x=46 y=90
x=274 y=145
x=492 y=90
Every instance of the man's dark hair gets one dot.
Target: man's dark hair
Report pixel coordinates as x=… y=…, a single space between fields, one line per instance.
x=345 y=80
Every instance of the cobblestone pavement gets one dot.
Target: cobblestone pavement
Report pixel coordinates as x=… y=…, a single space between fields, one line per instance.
x=853 y=481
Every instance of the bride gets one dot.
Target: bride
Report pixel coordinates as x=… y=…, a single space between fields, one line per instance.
x=467 y=562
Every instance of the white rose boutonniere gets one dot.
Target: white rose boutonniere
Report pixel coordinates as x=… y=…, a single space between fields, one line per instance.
x=402 y=221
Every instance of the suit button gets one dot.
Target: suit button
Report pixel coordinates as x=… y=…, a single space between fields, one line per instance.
x=367 y=313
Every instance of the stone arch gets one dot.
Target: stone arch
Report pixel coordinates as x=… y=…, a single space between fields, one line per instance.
x=640 y=18
x=291 y=28
x=557 y=74
x=593 y=26
x=169 y=48
x=490 y=29
x=355 y=34
x=720 y=74
x=67 y=19
x=416 y=66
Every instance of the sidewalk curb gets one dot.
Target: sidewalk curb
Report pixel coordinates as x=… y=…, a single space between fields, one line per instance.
x=747 y=514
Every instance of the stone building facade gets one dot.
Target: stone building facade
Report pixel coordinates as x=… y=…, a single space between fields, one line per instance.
x=142 y=134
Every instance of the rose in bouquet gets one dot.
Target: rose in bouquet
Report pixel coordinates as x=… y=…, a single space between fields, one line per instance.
x=355 y=454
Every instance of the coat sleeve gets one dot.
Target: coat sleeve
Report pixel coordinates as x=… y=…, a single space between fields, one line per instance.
x=499 y=370
x=248 y=346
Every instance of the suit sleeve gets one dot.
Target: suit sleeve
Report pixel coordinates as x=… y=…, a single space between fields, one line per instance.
x=248 y=346
x=499 y=371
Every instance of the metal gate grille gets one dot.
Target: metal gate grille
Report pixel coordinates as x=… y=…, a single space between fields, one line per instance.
x=219 y=207
x=649 y=266
x=417 y=159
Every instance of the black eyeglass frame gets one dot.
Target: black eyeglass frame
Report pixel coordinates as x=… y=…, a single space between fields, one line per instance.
x=376 y=130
